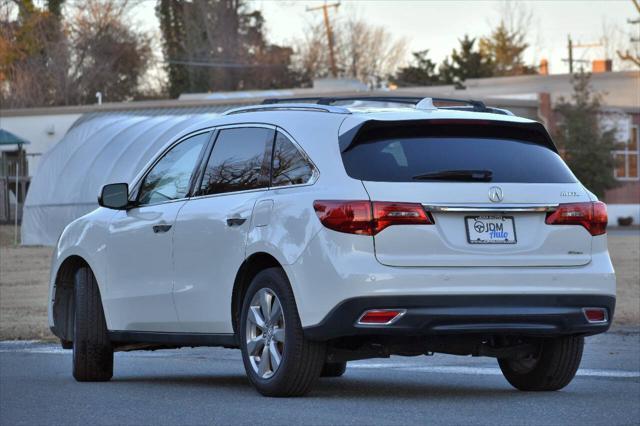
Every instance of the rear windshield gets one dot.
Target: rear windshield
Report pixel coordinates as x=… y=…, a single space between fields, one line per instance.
x=406 y=159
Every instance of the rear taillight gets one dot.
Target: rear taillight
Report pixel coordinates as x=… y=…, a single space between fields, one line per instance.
x=387 y=214
x=593 y=216
x=351 y=217
x=368 y=218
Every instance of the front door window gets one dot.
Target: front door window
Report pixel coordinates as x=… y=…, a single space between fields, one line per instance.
x=170 y=178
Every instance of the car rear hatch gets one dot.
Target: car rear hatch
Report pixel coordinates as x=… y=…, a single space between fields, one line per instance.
x=489 y=190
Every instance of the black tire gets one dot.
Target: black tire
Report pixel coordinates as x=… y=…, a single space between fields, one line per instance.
x=333 y=369
x=92 y=350
x=302 y=359
x=551 y=369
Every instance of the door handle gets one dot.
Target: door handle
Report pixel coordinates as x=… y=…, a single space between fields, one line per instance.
x=161 y=228
x=236 y=221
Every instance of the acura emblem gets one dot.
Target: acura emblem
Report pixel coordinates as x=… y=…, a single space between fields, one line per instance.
x=495 y=194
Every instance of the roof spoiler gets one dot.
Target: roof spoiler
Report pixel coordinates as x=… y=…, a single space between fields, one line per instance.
x=372 y=130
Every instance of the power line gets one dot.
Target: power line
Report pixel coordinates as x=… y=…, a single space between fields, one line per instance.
x=208 y=64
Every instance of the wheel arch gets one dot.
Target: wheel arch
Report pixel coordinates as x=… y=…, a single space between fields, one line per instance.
x=62 y=308
x=251 y=266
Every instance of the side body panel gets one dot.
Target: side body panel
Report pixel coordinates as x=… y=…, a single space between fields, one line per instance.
x=208 y=253
x=86 y=238
x=139 y=278
x=294 y=225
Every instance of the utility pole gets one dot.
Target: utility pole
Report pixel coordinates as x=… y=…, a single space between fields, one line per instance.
x=571 y=46
x=327 y=24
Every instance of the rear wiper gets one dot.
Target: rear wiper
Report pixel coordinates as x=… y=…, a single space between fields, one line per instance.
x=457 y=175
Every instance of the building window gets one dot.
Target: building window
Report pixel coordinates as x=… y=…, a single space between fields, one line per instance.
x=627 y=158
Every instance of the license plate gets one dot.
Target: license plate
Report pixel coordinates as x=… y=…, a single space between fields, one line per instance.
x=490 y=230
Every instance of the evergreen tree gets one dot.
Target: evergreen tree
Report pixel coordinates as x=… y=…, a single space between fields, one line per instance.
x=465 y=64
x=170 y=14
x=505 y=48
x=220 y=45
x=422 y=72
x=585 y=146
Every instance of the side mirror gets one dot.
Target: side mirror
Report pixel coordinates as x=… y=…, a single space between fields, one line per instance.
x=114 y=196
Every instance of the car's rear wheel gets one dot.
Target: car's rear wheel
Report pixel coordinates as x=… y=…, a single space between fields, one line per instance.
x=279 y=361
x=551 y=368
x=92 y=350
x=333 y=369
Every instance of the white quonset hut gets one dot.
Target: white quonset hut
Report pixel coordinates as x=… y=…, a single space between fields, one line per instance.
x=98 y=149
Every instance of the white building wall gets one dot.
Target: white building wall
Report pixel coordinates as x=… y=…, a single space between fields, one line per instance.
x=42 y=131
x=616 y=211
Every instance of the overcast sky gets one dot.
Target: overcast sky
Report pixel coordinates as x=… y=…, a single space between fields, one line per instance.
x=436 y=25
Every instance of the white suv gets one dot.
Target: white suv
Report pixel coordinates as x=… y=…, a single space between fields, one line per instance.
x=316 y=232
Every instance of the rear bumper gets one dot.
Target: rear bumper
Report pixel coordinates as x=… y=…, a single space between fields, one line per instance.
x=543 y=315
x=337 y=267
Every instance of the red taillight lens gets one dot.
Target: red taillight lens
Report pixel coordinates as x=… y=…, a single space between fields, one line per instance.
x=351 y=217
x=387 y=214
x=367 y=218
x=593 y=216
x=380 y=316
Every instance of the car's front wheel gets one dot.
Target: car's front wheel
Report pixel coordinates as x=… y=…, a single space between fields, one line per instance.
x=551 y=368
x=278 y=359
x=92 y=350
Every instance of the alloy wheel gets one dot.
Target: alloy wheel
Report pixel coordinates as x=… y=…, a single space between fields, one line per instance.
x=265 y=333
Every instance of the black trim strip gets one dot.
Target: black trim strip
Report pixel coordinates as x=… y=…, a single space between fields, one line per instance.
x=196 y=179
x=173 y=339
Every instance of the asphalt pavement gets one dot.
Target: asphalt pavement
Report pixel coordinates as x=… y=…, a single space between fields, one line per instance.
x=208 y=386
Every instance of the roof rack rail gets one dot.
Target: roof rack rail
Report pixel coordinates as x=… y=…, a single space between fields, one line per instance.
x=321 y=100
x=467 y=104
x=294 y=106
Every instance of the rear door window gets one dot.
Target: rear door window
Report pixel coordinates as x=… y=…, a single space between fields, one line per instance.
x=289 y=166
x=237 y=161
x=409 y=159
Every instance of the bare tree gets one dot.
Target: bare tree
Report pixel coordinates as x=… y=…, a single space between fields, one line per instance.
x=48 y=60
x=312 y=56
x=363 y=51
x=108 y=55
x=628 y=49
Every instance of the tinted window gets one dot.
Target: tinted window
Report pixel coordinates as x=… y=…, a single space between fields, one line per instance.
x=237 y=161
x=169 y=179
x=400 y=159
x=289 y=165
